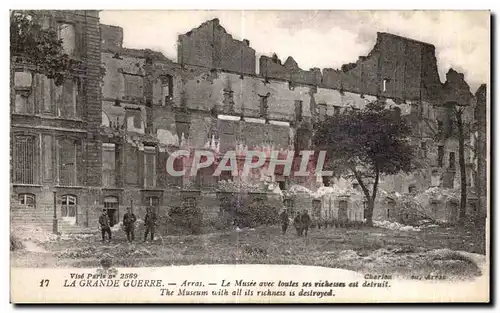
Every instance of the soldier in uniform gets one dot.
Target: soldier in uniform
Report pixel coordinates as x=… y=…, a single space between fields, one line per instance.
x=104 y=223
x=305 y=220
x=149 y=224
x=284 y=220
x=298 y=224
x=128 y=224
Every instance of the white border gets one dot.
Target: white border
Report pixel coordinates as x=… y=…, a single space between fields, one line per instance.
x=185 y=4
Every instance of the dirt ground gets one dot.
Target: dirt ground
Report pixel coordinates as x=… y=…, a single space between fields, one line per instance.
x=399 y=253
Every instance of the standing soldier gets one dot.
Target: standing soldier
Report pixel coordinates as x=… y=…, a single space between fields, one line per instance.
x=104 y=224
x=128 y=224
x=298 y=225
x=284 y=220
x=149 y=224
x=305 y=220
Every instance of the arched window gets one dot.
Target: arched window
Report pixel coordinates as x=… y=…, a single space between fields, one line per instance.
x=27 y=200
x=68 y=206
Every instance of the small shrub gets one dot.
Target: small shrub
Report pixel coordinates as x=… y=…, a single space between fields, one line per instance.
x=185 y=220
x=222 y=222
x=449 y=255
x=15 y=244
x=257 y=213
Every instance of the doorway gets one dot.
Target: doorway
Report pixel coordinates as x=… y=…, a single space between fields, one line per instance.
x=111 y=205
x=342 y=215
x=453 y=211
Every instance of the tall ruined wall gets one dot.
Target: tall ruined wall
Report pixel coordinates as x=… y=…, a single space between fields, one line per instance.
x=397 y=67
x=208 y=82
x=111 y=36
x=210 y=46
x=290 y=71
x=406 y=65
x=122 y=107
x=231 y=93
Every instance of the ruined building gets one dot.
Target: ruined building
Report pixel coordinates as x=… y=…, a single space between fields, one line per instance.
x=55 y=141
x=103 y=139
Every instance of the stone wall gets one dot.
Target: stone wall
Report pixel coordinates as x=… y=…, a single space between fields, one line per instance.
x=111 y=36
x=210 y=46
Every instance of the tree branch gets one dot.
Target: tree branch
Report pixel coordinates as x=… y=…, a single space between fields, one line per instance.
x=361 y=183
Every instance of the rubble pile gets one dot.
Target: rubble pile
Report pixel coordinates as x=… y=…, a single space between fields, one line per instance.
x=440 y=194
x=395 y=226
x=78 y=253
x=31 y=233
x=299 y=190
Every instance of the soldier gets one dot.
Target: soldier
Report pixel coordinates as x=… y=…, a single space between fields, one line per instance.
x=284 y=220
x=104 y=224
x=149 y=224
x=298 y=225
x=128 y=224
x=305 y=220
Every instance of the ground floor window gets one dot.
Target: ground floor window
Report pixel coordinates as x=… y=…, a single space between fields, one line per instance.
x=68 y=207
x=27 y=200
x=434 y=209
x=342 y=213
x=391 y=205
x=190 y=202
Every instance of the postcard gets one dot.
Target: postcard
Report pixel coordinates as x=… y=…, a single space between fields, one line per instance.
x=249 y=156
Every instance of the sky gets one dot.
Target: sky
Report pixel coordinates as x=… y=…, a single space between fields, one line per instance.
x=323 y=39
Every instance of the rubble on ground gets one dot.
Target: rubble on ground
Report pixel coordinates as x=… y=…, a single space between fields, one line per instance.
x=436 y=193
x=38 y=234
x=111 y=251
x=32 y=233
x=395 y=226
x=117 y=227
x=346 y=255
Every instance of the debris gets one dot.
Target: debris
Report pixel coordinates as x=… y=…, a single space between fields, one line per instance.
x=404 y=249
x=395 y=226
x=345 y=255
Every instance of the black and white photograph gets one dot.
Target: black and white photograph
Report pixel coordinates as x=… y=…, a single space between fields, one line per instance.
x=331 y=154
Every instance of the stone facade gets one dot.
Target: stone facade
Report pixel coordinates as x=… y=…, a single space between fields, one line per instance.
x=55 y=138
x=146 y=106
x=480 y=141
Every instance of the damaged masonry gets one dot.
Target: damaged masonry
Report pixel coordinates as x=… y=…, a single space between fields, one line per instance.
x=103 y=139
